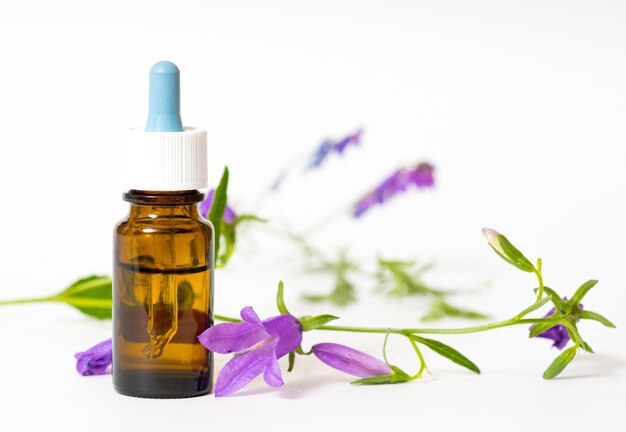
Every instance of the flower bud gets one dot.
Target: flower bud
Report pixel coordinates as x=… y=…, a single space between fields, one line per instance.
x=503 y=247
x=492 y=238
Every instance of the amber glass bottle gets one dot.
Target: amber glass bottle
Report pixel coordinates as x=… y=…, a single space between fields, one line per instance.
x=163 y=259
x=162 y=296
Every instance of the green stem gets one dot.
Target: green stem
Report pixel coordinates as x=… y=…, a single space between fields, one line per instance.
x=421 y=359
x=31 y=300
x=408 y=331
x=74 y=301
x=385 y=348
x=540 y=279
x=460 y=330
x=226 y=319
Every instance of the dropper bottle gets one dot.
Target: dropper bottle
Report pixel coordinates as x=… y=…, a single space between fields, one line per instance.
x=163 y=256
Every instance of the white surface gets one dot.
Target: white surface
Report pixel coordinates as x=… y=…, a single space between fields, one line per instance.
x=520 y=105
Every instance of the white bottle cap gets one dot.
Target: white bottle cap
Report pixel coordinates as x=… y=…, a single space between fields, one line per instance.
x=165 y=156
x=167 y=161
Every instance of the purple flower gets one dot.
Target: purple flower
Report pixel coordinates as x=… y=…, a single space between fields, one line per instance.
x=205 y=207
x=420 y=176
x=329 y=146
x=257 y=345
x=558 y=334
x=96 y=360
x=350 y=361
x=278 y=181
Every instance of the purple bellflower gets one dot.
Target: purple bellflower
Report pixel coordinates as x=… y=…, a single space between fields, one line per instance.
x=420 y=176
x=205 y=207
x=257 y=345
x=329 y=146
x=350 y=361
x=96 y=360
x=558 y=334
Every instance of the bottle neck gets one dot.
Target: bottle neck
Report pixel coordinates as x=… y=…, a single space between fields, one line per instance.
x=182 y=203
x=163 y=199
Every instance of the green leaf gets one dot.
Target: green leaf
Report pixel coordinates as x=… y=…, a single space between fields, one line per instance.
x=403 y=278
x=313 y=322
x=441 y=309
x=580 y=292
x=540 y=328
x=248 y=218
x=560 y=363
x=534 y=307
x=396 y=377
x=316 y=298
x=558 y=302
x=92 y=296
x=586 y=314
x=217 y=209
x=512 y=255
x=447 y=352
x=229 y=237
x=341 y=295
x=343 y=292
x=576 y=337
x=280 y=299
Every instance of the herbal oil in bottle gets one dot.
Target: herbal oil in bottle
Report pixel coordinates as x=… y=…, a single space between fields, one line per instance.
x=163 y=256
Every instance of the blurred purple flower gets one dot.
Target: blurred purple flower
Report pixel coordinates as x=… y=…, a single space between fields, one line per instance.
x=420 y=176
x=350 y=361
x=278 y=181
x=329 y=146
x=558 y=334
x=257 y=345
x=205 y=207
x=96 y=360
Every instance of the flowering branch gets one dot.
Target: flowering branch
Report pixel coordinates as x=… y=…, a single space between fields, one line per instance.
x=566 y=314
x=257 y=345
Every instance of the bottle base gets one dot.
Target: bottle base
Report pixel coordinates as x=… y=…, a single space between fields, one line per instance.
x=159 y=396
x=160 y=385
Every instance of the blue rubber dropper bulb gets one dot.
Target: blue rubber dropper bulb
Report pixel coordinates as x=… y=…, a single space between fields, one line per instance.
x=164 y=111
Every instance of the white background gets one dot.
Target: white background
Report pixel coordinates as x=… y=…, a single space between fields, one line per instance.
x=519 y=105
